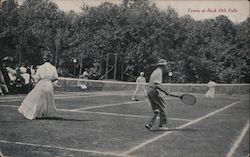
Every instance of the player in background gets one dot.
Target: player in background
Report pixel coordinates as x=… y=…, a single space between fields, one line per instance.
x=211 y=91
x=140 y=81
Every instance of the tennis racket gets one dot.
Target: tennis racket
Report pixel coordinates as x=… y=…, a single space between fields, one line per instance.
x=185 y=98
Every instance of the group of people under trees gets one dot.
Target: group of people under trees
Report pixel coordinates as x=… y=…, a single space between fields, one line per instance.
x=16 y=80
x=20 y=79
x=90 y=73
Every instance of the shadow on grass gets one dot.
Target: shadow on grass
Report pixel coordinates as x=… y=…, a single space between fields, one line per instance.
x=62 y=119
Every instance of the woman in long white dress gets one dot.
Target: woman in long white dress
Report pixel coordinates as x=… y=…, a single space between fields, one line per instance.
x=40 y=103
x=211 y=91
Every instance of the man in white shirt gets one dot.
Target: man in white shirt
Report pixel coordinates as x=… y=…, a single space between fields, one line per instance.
x=140 y=81
x=156 y=101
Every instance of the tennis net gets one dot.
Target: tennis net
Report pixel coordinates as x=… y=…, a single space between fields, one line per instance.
x=81 y=85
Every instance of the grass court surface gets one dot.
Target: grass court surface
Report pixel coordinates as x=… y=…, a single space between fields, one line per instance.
x=109 y=124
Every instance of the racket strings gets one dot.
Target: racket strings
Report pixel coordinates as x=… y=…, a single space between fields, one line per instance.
x=188 y=99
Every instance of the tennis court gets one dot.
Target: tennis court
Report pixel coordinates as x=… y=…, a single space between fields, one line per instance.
x=106 y=123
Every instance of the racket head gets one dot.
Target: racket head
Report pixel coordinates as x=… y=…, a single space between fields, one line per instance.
x=188 y=99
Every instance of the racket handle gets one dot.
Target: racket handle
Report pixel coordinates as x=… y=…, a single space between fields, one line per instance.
x=177 y=96
x=172 y=95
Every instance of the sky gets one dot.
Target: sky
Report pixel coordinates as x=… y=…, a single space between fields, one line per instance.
x=236 y=10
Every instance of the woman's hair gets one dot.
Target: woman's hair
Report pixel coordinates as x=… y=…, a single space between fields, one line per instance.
x=47 y=56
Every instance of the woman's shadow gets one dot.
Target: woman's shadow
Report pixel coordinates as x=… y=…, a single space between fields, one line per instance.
x=61 y=119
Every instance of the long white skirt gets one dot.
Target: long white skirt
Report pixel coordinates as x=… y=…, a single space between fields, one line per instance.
x=210 y=93
x=39 y=102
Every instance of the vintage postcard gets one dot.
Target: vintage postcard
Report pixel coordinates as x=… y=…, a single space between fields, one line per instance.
x=124 y=78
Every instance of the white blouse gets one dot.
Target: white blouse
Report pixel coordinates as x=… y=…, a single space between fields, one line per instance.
x=46 y=71
x=156 y=77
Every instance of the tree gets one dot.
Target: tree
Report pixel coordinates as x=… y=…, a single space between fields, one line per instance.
x=8 y=23
x=37 y=28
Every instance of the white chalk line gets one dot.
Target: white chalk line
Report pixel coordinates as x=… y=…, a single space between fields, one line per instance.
x=120 y=115
x=56 y=97
x=76 y=95
x=12 y=106
x=238 y=141
x=106 y=113
x=180 y=127
x=63 y=148
x=116 y=104
x=59 y=97
x=65 y=95
x=107 y=105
